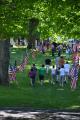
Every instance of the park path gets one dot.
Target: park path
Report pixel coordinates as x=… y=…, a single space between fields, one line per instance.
x=29 y=114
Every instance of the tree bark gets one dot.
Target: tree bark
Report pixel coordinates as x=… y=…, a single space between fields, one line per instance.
x=32 y=36
x=4 y=61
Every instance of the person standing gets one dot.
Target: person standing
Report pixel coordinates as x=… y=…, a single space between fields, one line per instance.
x=47 y=63
x=57 y=59
x=59 y=50
x=53 y=74
x=34 y=67
x=62 y=75
x=61 y=61
x=67 y=53
x=42 y=72
x=57 y=74
x=53 y=49
x=67 y=69
x=32 y=75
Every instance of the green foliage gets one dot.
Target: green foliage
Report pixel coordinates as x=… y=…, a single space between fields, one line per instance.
x=55 y=16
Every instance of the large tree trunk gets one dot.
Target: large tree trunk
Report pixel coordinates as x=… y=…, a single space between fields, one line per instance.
x=32 y=36
x=4 y=61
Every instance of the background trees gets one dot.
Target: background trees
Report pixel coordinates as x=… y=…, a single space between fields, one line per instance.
x=55 y=16
x=37 y=18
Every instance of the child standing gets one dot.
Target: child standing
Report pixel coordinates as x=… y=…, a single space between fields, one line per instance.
x=53 y=74
x=57 y=61
x=47 y=63
x=57 y=74
x=62 y=75
x=32 y=75
x=67 y=69
x=42 y=72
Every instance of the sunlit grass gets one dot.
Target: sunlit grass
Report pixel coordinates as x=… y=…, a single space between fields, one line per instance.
x=46 y=96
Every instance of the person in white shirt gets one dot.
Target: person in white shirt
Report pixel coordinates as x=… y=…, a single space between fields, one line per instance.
x=53 y=74
x=57 y=74
x=67 y=69
x=62 y=75
x=57 y=59
x=67 y=53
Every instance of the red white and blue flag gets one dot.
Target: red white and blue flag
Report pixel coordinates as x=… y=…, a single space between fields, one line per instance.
x=25 y=61
x=22 y=66
x=12 y=73
x=74 y=77
x=74 y=73
x=13 y=69
x=75 y=58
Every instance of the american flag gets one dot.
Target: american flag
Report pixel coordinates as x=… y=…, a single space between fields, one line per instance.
x=78 y=46
x=75 y=58
x=25 y=60
x=74 y=77
x=74 y=73
x=21 y=67
x=74 y=48
x=12 y=73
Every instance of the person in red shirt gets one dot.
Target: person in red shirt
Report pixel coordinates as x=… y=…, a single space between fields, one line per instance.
x=61 y=61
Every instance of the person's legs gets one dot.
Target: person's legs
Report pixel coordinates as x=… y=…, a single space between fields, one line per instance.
x=41 y=82
x=33 y=81
x=60 y=80
x=63 y=78
x=47 y=68
x=41 y=77
x=66 y=77
x=53 y=79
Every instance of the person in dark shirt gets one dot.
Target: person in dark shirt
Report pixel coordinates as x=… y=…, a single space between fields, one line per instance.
x=34 y=67
x=47 y=63
x=32 y=75
x=42 y=74
x=53 y=49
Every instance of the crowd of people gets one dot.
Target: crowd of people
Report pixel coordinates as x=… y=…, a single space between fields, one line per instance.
x=60 y=75
x=62 y=71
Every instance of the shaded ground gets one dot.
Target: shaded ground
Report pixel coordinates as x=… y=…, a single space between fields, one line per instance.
x=23 y=114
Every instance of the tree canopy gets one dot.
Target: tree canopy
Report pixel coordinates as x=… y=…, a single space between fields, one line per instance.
x=61 y=17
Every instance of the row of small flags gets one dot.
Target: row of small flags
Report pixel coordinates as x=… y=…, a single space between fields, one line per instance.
x=14 y=69
x=21 y=67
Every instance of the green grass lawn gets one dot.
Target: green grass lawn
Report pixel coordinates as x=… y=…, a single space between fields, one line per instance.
x=48 y=96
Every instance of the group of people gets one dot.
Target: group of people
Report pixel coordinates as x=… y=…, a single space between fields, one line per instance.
x=60 y=74
x=62 y=70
